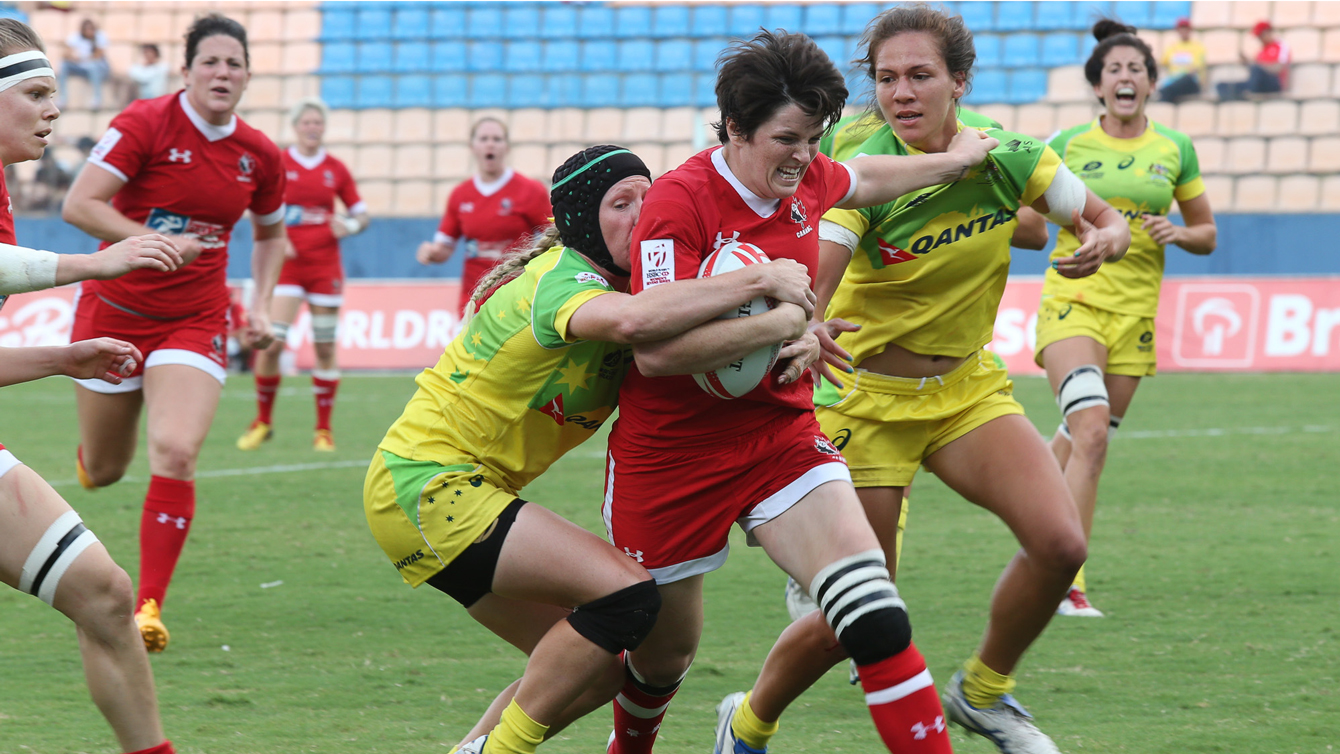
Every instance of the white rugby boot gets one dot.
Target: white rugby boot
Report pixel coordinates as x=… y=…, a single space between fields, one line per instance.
x=1076 y=604
x=1006 y=724
x=798 y=602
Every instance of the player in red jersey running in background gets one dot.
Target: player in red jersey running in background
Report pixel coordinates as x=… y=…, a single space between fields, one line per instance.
x=186 y=166
x=671 y=491
x=45 y=549
x=497 y=211
x=312 y=272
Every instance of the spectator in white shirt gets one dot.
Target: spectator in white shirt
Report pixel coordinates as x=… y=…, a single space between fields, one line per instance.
x=86 y=57
x=150 y=77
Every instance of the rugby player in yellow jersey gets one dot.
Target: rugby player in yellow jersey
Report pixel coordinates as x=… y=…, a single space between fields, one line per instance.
x=924 y=276
x=1095 y=336
x=535 y=372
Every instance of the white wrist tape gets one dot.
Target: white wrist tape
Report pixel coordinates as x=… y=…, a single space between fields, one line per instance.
x=831 y=231
x=352 y=225
x=1066 y=194
x=23 y=269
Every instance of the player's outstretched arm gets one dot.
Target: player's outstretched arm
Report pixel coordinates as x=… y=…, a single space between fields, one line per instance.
x=151 y=252
x=100 y=358
x=720 y=342
x=666 y=310
x=883 y=178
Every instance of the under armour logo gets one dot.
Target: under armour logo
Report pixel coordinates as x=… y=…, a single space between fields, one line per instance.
x=632 y=732
x=722 y=240
x=164 y=518
x=183 y=155
x=634 y=555
x=920 y=730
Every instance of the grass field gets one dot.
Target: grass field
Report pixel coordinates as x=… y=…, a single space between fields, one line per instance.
x=1215 y=557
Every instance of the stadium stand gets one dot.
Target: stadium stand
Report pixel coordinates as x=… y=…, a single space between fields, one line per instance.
x=405 y=80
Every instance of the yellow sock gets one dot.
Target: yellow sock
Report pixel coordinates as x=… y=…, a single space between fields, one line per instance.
x=982 y=686
x=516 y=733
x=1079 y=580
x=748 y=728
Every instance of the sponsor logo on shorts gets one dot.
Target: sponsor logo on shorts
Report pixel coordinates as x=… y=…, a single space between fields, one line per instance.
x=1146 y=341
x=841 y=439
x=216 y=343
x=658 y=262
x=634 y=554
x=1065 y=312
x=822 y=444
x=416 y=557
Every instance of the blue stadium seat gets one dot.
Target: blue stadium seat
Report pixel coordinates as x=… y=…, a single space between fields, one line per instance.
x=1016 y=16
x=598 y=55
x=411 y=57
x=746 y=20
x=1055 y=17
x=1020 y=50
x=483 y=23
x=1086 y=45
x=979 y=16
x=640 y=90
x=374 y=91
x=705 y=52
x=446 y=22
x=339 y=57
x=988 y=50
x=709 y=21
x=1027 y=85
x=788 y=17
x=670 y=21
x=560 y=22
x=595 y=22
x=337 y=25
x=705 y=90
x=338 y=91
x=836 y=47
x=9 y=11
x=856 y=16
x=562 y=91
x=1060 y=48
x=676 y=90
x=674 y=55
x=411 y=23
x=859 y=89
x=520 y=57
x=1166 y=13
x=447 y=57
x=600 y=90
x=1085 y=12
x=822 y=18
x=561 y=56
x=488 y=90
x=373 y=24
x=450 y=91
x=636 y=55
x=375 y=57
x=1134 y=12
x=483 y=56
x=632 y=21
x=413 y=91
x=521 y=21
x=990 y=85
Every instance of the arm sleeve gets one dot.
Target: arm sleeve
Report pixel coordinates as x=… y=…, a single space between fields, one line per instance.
x=1189 y=183
x=670 y=239
x=559 y=294
x=840 y=180
x=124 y=150
x=267 y=204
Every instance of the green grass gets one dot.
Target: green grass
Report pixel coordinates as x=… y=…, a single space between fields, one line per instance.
x=1215 y=558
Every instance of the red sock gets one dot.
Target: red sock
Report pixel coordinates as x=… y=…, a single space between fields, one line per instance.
x=324 y=390
x=168 y=509
x=902 y=699
x=163 y=748
x=267 y=388
x=638 y=711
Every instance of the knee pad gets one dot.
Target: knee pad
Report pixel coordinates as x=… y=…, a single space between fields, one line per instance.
x=862 y=607
x=280 y=331
x=619 y=621
x=1082 y=388
x=62 y=543
x=324 y=327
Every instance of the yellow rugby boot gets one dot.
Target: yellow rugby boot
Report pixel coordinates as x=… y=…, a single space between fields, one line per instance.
x=256 y=434
x=85 y=480
x=149 y=619
x=323 y=441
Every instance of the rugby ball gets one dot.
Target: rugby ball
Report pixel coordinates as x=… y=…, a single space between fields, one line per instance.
x=737 y=379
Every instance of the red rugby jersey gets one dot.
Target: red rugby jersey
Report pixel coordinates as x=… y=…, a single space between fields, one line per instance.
x=186 y=176
x=309 y=201
x=492 y=218
x=688 y=213
x=6 y=214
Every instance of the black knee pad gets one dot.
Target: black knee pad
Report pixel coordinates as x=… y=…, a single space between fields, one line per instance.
x=877 y=635
x=620 y=620
x=862 y=606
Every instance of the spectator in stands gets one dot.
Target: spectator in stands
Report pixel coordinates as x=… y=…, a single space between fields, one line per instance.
x=1184 y=61
x=86 y=57
x=1269 y=73
x=149 y=79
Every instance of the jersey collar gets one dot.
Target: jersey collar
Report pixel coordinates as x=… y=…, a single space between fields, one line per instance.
x=1124 y=145
x=489 y=189
x=911 y=149
x=762 y=207
x=209 y=130
x=308 y=163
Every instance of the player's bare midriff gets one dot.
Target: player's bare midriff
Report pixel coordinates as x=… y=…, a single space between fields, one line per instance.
x=897 y=361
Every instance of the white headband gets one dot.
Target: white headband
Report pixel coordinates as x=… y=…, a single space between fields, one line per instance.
x=22 y=66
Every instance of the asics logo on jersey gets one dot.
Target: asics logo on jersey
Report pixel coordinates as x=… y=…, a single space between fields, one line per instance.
x=176 y=155
x=931 y=242
x=920 y=730
x=1129 y=161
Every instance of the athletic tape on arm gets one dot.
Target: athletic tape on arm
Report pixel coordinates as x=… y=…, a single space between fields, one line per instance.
x=1066 y=194
x=23 y=269
x=831 y=231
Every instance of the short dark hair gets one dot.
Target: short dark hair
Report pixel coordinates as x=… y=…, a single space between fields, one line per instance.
x=1113 y=33
x=147 y=46
x=213 y=25
x=760 y=76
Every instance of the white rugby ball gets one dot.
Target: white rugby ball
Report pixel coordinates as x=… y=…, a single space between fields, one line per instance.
x=737 y=379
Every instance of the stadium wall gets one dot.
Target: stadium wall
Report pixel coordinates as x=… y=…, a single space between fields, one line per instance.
x=1249 y=244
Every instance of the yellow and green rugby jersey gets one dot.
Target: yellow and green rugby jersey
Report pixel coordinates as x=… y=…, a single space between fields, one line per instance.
x=930 y=268
x=515 y=389
x=845 y=138
x=1136 y=176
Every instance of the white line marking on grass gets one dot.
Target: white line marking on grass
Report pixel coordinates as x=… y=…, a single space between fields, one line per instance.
x=250 y=471
x=1154 y=434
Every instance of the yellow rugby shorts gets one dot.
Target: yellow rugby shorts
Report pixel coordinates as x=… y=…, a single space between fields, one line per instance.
x=424 y=514
x=1129 y=338
x=885 y=426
